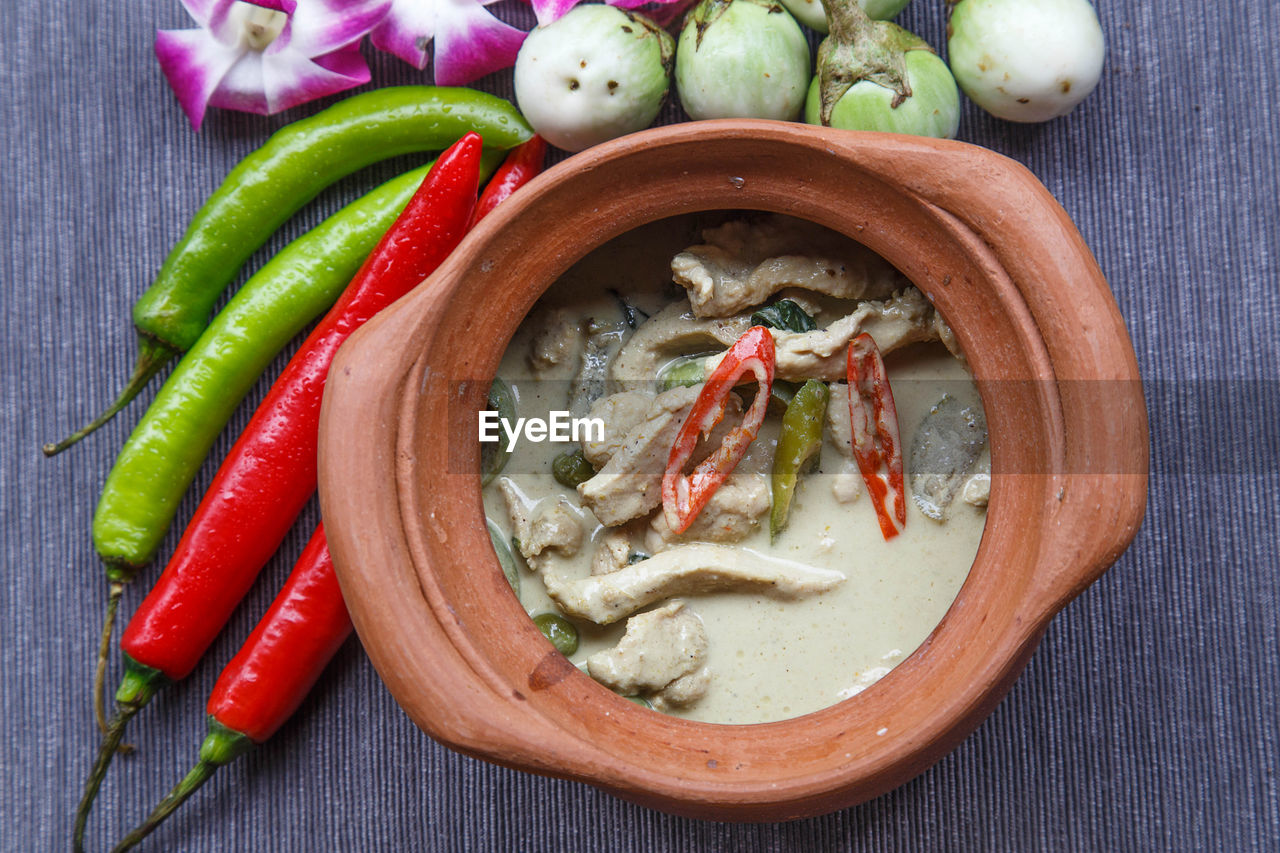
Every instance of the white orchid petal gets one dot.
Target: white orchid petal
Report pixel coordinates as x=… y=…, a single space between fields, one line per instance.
x=315 y=54
x=549 y=11
x=471 y=42
x=407 y=30
x=242 y=88
x=195 y=65
x=203 y=12
x=323 y=26
x=295 y=79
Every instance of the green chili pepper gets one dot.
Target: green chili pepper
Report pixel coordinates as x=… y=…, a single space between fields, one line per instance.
x=559 y=631
x=494 y=455
x=786 y=315
x=161 y=457
x=505 y=557
x=800 y=438
x=271 y=184
x=571 y=469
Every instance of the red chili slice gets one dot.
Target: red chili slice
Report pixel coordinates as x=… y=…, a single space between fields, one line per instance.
x=684 y=496
x=877 y=444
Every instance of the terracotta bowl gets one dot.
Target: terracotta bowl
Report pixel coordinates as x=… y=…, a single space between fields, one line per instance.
x=975 y=231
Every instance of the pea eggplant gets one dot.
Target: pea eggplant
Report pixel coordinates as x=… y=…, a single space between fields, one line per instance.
x=572 y=469
x=559 y=631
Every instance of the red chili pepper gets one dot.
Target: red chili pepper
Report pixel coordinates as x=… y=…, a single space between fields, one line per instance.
x=684 y=496
x=521 y=164
x=270 y=675
x=877 y=444
x=276 y=667
x=270 y=473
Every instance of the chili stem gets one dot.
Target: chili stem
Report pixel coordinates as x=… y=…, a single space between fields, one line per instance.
x=184 y=789
x=110 y=743
x=100 y=669
x=104 y=648
x=222 y=745
x=152 y=357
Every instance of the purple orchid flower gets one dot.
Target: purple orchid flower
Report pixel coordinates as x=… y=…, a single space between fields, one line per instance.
x=469 y=40
x=264 y=56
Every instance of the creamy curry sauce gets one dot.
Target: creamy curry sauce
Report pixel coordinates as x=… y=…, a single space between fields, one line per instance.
x=766 y=658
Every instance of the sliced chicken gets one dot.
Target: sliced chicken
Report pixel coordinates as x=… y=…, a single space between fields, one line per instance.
x=671 y=332
x=684 y=570
x=743 y=263
x=551 y=524
x=619 y=413
x=838 y=425
x=617 y=549
x=661 y=655
x=735 y=509
x=904 y=318
x=557 y=342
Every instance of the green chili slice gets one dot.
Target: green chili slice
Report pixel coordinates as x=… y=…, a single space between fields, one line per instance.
x=799 y=440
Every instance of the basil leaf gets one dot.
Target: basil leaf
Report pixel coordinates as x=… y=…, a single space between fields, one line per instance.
x=784 y=314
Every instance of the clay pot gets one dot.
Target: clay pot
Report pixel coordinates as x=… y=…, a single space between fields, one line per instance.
x=975 y=231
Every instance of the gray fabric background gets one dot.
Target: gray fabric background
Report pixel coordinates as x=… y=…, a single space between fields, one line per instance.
x=1147 y=719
